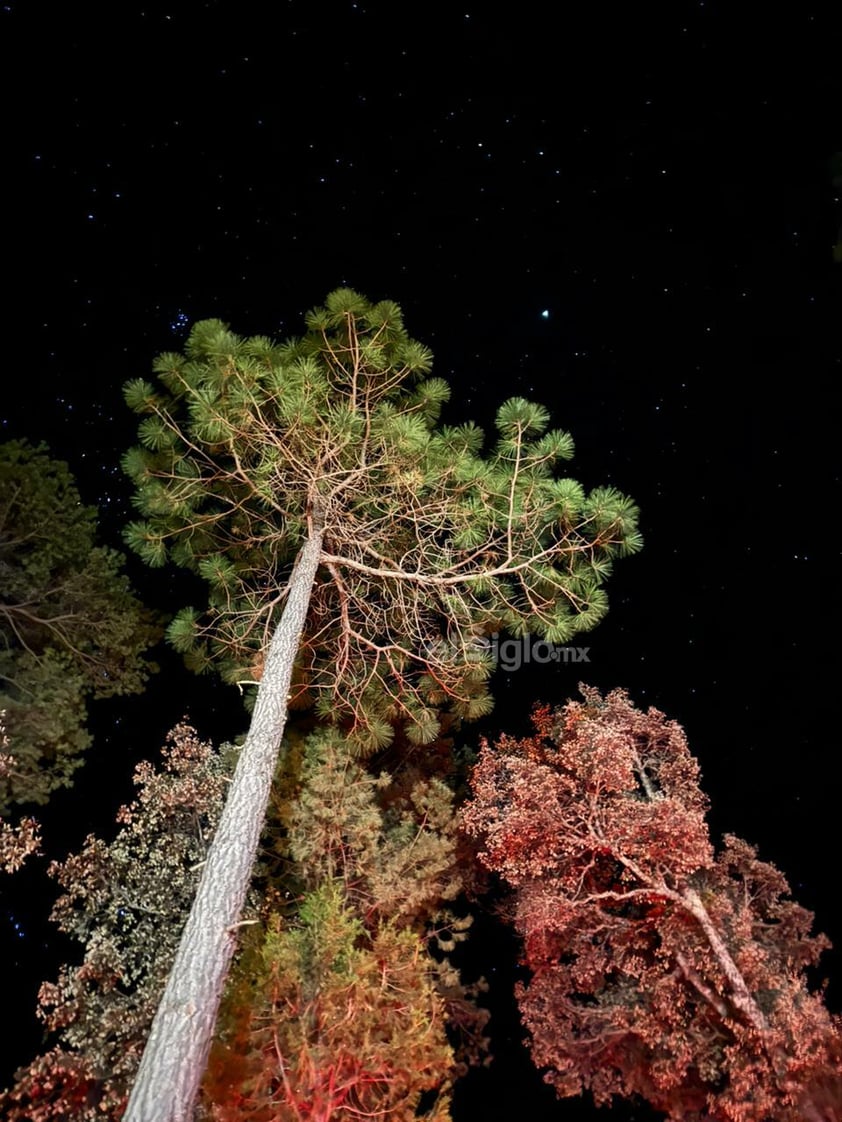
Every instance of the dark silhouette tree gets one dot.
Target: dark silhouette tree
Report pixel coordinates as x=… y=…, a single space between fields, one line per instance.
x=70 y=627
x=658 y=967
x=354 y=551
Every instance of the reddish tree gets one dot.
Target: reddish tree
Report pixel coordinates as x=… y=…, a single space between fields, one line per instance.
x=658 y=967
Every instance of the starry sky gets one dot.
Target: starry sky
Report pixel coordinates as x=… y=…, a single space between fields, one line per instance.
x=629 y=216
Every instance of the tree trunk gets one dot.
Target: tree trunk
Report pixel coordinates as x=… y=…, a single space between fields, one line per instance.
x=176 y=1051
x=740 y=994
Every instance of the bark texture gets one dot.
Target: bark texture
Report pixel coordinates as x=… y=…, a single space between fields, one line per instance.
x=176 y=1052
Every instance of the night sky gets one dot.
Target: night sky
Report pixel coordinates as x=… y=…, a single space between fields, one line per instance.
x=628 y=215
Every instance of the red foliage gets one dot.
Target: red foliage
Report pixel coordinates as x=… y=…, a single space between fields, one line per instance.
x=658 y=967
x=62 y=1087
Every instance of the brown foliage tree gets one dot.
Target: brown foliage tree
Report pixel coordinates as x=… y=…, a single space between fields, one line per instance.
x=21 y=839
x=659 y=967
x=126 y=903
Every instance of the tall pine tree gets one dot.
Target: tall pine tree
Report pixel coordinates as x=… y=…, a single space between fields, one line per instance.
x=355 y=551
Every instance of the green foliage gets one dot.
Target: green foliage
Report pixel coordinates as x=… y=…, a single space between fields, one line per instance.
x=401 y=858
x=181 y=631
x=518 y=417
x=429 y=538
x=45 y=702
x=140 y=394
x=70 y=627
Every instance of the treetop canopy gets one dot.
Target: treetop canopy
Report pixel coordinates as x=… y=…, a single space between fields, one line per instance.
x=430 y=540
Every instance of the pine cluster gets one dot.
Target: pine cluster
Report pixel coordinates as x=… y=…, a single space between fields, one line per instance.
x=430 y=541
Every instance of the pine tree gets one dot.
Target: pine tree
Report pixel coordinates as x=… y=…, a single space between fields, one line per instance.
x=70 y=627
x=354 y=550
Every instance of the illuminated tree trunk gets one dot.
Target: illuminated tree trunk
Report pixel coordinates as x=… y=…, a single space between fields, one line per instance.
x=176 y=1052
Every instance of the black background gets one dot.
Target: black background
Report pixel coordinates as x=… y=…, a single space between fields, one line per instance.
x=624 y=211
